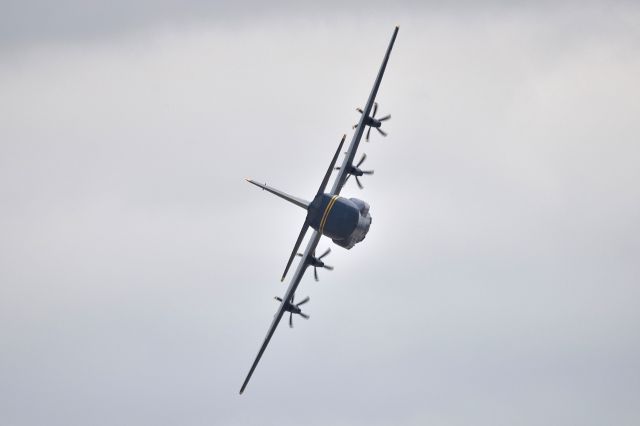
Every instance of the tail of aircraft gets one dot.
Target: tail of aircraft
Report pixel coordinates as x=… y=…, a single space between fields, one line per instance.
x=301 y=203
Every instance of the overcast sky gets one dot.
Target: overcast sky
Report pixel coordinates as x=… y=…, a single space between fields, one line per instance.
x=499 y=283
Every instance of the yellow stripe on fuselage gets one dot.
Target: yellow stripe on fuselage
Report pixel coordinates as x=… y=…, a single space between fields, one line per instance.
x=327 y=210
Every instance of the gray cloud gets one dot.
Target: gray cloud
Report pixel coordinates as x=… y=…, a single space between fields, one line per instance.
x=38 y=21
x=498 y=284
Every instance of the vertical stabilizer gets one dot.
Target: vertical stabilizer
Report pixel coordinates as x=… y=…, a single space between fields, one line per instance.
x=323 y=185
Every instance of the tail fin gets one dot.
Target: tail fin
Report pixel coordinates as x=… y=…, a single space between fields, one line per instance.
x=327 y=175
x=290 y=198
x=301 y=203
x=305 y=226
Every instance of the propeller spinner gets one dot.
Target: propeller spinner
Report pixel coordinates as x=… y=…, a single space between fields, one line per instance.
x=374 y=122
x=356 y=172
x=317 y=262
x=294 y=308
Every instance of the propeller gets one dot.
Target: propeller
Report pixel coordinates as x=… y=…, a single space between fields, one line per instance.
x=374 y=122
x=356 y=172
x=317 y=262
x=294 y=308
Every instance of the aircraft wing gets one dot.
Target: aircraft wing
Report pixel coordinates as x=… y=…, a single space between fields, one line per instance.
x=311 y=246
x=357 y=135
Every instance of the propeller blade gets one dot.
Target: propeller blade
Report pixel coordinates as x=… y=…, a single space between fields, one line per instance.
x=337 y=168
x=364 y=157
x=359 y=110
x=385 y=118
x=315 y=273
x=382 y=132
x=355 y=125
x=305 y=300
x=368 y=133
x=278 y=299
x=299 y=254
x=359 y=183
x=290 y=319
x=325 y=253
x=375 y=109
x=367 y=172
x=328 y=267
x=303 y=315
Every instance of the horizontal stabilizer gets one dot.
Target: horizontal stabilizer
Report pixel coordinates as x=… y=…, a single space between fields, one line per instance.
x=290 y=198
x=303 y=231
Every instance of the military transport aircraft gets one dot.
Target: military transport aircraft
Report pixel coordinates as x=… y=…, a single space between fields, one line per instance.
x=345 y=221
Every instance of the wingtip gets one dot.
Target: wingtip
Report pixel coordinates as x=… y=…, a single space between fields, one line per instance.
x=248 y=179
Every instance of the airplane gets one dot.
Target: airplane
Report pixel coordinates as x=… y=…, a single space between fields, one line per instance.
x=345 y=221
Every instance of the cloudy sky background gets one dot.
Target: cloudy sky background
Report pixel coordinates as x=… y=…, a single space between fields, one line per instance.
x=500 y=280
